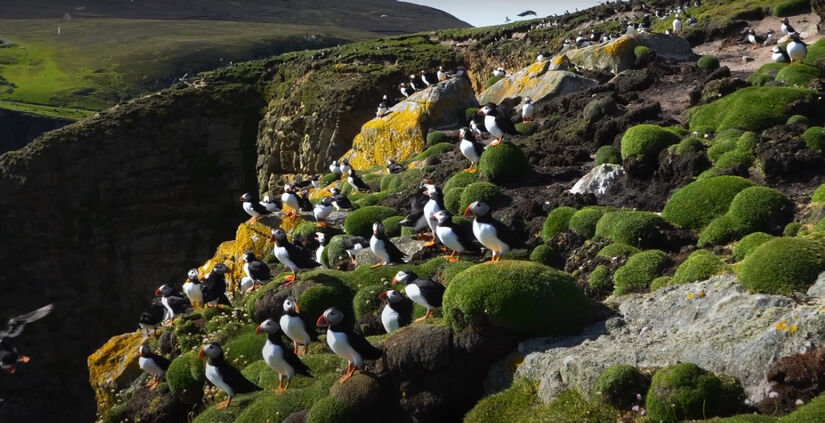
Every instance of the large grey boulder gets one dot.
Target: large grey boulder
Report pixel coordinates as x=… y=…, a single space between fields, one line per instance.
x=537 y=82
x=618 y=55
x=407 y=244
x=599 y=180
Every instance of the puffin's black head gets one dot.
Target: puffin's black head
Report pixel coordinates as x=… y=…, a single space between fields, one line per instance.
x=466 y=134
x=144 y=351
x=291 y=304
x=795 y=37
x=220 y=269
x=212 y=350
x=269 y=326
x=193 y=275
x=248 y=256
x=350 y=172
x=392 y=296
x=442 y=217
x=433 y=192
x=335 y=162
x=777 y=49
x=334 y=191
x=314 y=178
x=248 y=197
x=321 y=238
x=377 y=228
x=423 y=184
x=477 y=208
x=332 y=316
x=345 y=162
x=278 y=235
x=785 y=20
x=164 y=290
x=404 y=277
x=326 y=201
x=528 y=100
x=489 y=110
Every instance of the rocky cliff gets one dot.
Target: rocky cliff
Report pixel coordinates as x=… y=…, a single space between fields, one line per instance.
x=18 y=129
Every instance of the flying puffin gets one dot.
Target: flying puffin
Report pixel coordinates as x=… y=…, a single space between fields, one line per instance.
x=293 y=326
x=393 y=167
x=223 y=375
x=253 y=207
x=397 y=313
x=322 y=210
x=345 y=167
x=797 y=49
x=382 y=247
x=470 y=148
x=424 y=292
x=192 y=288
x=434 y=204
x=340 y=201
x=213 y=287
x=492 y=234
x=357 y=184
x=290 y=199
x=282 y=360
x=154 y=364
x=175 y=303
x=322 y=244
x=270 y=204
x=442 y=76
x=9 y=356
x=786 y=26
x=495 y=123
x=345 y=343
x=779 y=55
x=291 y=256
x=152 y=317
x=382 y=108
x=255 y=272
x=677 y=24
x=312 y=182
x=335 y=168
x=453 y=238
x=527 y=110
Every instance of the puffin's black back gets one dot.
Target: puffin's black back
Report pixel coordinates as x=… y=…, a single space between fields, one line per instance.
x=160 y=360
x=259 y=270
x=503 y=232
x=432 y=291
x=289 y=356
x=233 y=377
x=396 y=255
x=153 y=314
x=300 y=256
x=359 y=343
x=214 y=288
x=404 y=308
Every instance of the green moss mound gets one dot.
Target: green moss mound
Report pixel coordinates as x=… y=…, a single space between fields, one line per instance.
x=185 y=377
x=608 y=154
x=766 y=73
x=696 y=204
x=637 y=228
x=392 y=225
x=434 y=150
x=544 y=254
x=708 y=63
x=479 y=191
x=521 y=296
x=747 y=142
x=752 y=209
x=599 y=279
x=797 y=119
x=438 y=137
x=688 y=145
x=526 y=128
x=318 y=298
x=452 y=200
x=492 y=81
x=661 y=282
x=557 y=222
x=820 y=226
x=782 y=265
x=503 y=162
x=459 y=180
x=513 y=404
x=798 y=75
x=721 y=147
x=700 y=265
x=571 y=407
x=328 y=179
x=244 y=349
x=748 y=243
x=639 y=271
x=685 y=391
x=584 y=221
x=328 y=410
x=366 y=301
x=617 y=249
x=791 y=229
x=618 y=385
x=641 y=51
x=646 y=141
x=815 y=138
x=750 y=109
x=811 y=412
x=791 y=7
x=818 y=195
x=360 y=221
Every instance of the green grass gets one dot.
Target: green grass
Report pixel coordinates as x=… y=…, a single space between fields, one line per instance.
x=751 y=109
x=51 y=111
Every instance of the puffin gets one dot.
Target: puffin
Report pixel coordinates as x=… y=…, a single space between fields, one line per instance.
x=283 y=360
x=786 y=26
x=270 y=204
x=345 y=343
x=322 y=210
x=470 y=148
x=428 y=80
x=213 y=287
x=769 y=37
x=335 y=168
x=492 y=234
x=322 y=244
x=223 y=375
x=9 y=356
x=290 y=199
x=345 y=167
x=415 y=219
x=174 y=302
x=424 y=292
x=291 y=256
x=527 y=110
x=754 y=39
x=382 y=247
x=152 y=317
x=779 y=55
x=413 y=84
x=442 y=76
x=499 y=72
x=312 y=182
x=382 y=108
x=253 y=207
x=677 y=24
x=475 y=128
x=294 y=328
x=797 y=49
x=403 y=89
x=397 y=313
x=453 y=238
x=154 y=364
x=540 y=58
x=496 y=124
x=352 y=245
x=255 y=272
x=433 y=205
x=357 y=184
x=340 y=201
x=459 y=72
x=393 y=167
x=192 y=288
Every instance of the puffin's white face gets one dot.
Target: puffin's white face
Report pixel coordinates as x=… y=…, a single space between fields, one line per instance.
x=247 y=197
x=144 y=350
x=287 y=188
x=193 y=274
x=268 y=326
x=164 y=290
x=212 y=350
x=486 y=110
x=477 y=208
x=777 y=49
x=278 y=235
x=442 y=217
x=332 y=316
x=220 y=269
x=320 y=237
x=290 y=304
x=401 y=277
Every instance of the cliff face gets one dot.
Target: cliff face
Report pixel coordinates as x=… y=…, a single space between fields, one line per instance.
x=104 y=211
x=18 y=129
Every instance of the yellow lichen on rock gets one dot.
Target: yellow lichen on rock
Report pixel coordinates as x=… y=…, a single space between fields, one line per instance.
x=399 y=135
x=249 y=236
x=614 y=56
x=113 y=367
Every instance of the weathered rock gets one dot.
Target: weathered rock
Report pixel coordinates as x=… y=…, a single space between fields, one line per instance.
x=249 y=237
x=537 y=82
x=113 y=367
x=618 y=55
x=401 y=133
x=667 y=46
x=818 y=288
x=715 y=324
x=599 y=180
x=420 y=348
x=406 y=244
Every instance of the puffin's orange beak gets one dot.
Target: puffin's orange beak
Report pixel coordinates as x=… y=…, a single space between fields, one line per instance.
x=200 y=354
x=383 y=295
x=432 y=216
x=271 y=237
x=297 y=310
x=241 y=198
x=466 y=212
x=393 y=281
x=480 y=112
x=258 y=329
x=157 y=292
x=321 y=322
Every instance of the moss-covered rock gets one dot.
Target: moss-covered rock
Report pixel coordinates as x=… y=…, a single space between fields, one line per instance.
x=608 y=154
x=433 y=150
x=791 y=7
x=700 y=265
x=320 y=297
x=479 y=191
x=637 y=228
x=557 y=222
x=748 y=243
x=459 y=180
x=688 y=145
x=544 y=254
x=526 y=128
x=696 y=204
x=661 y=282
x=791 y=229
x=721 y=147
x=685 y=391
x=185 y=377
x=617 y=249
x=708 y=63
x=244 y=348
x=571 y=407
x=438 y=137
x=521 y=296
x=619 y=384
x=752 y=209
x=798 y=75
x=392 y=226
x=766 y=73
x=113 y=366
x=747 y=142
x=646 y=141
x=639 y=271
x=599 y=279
x=584 y=221
x=782 y=265
x=797 y=119
x=511 y=405
x=452 y=200
x=818 y=195
x=815 y=138
x=504 y=162
x=641 y=51
x=808 y=413
x=492 y=81
x=329 y=410
x=750 y=109
x=360 y=221
x=359 y=391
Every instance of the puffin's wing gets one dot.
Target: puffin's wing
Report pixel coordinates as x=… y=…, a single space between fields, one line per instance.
x=16 y=324
x=179 y=305
x=304 y=203
x=152 y=315
x=504 y=233
x=466 y=238
x=161 y=361
x=236 y=380
x=411 y=219
x=405 y=311
x=300 y=367
x=506 y=125
x=431 y=290
x=360 y=183
x=343 y=202
x=479 y=147
x=363 y=347
x=396 y=255
x=259 y=208
x=301 y=257
x=259 y=270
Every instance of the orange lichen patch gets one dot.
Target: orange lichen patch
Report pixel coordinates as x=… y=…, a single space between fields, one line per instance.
x=113 y=367
x=319 y=193
x=249 y=236
x=400 y=135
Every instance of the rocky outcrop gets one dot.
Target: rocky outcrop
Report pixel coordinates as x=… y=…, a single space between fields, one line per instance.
x=18 y=129
x=618 y=55
x=536 y=82
x=715 y=324
x=599 y=180
x=113 y=367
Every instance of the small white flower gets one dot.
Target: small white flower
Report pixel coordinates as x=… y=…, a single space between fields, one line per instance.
x=772 y=394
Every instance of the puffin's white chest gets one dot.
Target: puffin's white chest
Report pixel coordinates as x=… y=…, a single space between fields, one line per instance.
x=488 y=237
x=149 y=366
x=290 y=200
x=193 y=292
x=527 y=111
x=751 y=38
x=492 y=126
x=351 y=181
x=293 y=327
x=796 y=50
x=414 y=292
x=778 y=57
x=247 y=207
x=214 y=376
x=442 y=76
x=321 y=211
x=319 y=253
x=274 y=358
x=449 y=238
x=283 y=256
x=677 y=25
x=169 y=312
x=429 y=209
x=246 y=271
x=389 y=319
x=468 y=150
x=334 y=169
x=379 y=248
x=339 y=344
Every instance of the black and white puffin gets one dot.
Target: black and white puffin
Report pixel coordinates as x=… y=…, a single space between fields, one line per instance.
x=357 y=183
x=152 y=317
x=415 y=219
x=9 y=356
x=393 y=167
x=780 y=56
x=303 y=200
x=345 y=343
x=415 y=84
x=213 y=287
x=253 y=207
x=797 y=49
x=312 y=182
x=322 y=210
x=491 y=233
x=441 y=74
x=321 y=238
x=470 y=148
x=256 y=272
x=290 y=199
x=433 y=205
x=769 y=37
x=291 y=256
x=223 y=375
x=340 y=201
x=424 y=292
x=381 y=110
x=496 y=123
x=192 y=288
x=270 y=204
x=383 y=248
x=451 y=236
x=345 y=167
x=283 y=360
x=427 y=79
x=397 y=313
x=293 y=326
x=154 y=364
x=786 y=26
x=754 y=39
x=335 y=168
x=527 y=110
x=499 y=72
x=174 y=302
x=402 y=87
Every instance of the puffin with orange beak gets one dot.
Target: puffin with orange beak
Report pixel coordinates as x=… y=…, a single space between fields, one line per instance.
x=397 y=313
x=452 y=237
x=293 y=326
x=282 y=360
x=9 y=356
x=433 y=205
x=491 y=233
x=223 y=375
x=496 y=123
x=422 y=291
x=291 y=256
x=154 y=364
x=174 y=302
x=382 y=247
x=345 y=343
